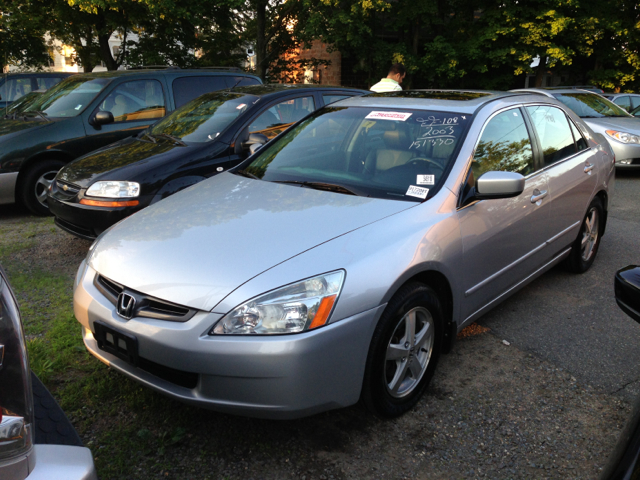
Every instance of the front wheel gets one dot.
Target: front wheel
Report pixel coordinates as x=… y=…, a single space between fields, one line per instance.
x=404 y=351
x=36 y=184
x=585 y=247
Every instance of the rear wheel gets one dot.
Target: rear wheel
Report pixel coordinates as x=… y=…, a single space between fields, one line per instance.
x=585 y=247
x=404 y=351
x=36 y=184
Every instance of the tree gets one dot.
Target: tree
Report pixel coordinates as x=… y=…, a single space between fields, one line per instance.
x=22 y=35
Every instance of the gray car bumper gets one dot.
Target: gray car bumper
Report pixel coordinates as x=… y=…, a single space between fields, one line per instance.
x=51 y=462
x=627 y=155
x=284 y=376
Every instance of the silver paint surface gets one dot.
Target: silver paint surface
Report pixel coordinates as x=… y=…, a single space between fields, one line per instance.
x=229 y=239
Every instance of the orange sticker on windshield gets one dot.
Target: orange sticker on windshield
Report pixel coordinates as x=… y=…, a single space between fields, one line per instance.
x=400 y=116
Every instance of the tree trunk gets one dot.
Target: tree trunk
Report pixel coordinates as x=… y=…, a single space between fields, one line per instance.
x=261 y=43
x=105 y=51
x=540 y=69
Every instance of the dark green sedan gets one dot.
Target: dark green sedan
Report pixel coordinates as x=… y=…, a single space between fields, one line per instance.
x=89 y=111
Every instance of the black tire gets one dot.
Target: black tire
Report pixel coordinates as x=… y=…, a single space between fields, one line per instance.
x=585 y=247
x=390 y=387
x=33 y=188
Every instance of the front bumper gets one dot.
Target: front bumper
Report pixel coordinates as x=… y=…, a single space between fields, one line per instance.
x=627 y=155
x=86 y=221
x=283 y=376
x=46 y=462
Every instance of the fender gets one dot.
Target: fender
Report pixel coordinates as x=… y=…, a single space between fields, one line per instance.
x=174 y=186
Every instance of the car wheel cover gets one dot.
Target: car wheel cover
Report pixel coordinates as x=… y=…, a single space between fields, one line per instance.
x=590 y=234
x=42 y=186
x=409 y=351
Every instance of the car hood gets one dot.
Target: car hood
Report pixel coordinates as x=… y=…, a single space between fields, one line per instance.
x=627 y=124
x=85 y=170
x=9 y=129
x=195 y=247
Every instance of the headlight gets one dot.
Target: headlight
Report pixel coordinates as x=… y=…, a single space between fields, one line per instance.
x=114 y=189
x=623 y=137
x=295 y=308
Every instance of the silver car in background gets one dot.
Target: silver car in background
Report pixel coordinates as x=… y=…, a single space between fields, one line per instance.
x=621 y=129
x=340 y=260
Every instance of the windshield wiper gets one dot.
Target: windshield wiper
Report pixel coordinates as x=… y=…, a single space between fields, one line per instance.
x=39 y=113
x=172 y=138
x=331 y=187
x=244 y=173
x=145 y=134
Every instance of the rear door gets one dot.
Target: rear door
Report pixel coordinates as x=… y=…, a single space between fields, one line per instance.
x=571 y=169
x=503 y=239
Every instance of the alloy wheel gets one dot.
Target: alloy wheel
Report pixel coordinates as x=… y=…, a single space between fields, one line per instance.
x=409 y=351
x=590 y=232
x=42 y=186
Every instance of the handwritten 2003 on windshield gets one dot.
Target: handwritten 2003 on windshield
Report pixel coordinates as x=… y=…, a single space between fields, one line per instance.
x=438 y=131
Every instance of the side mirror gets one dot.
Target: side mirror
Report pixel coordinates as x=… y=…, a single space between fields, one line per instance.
x=255 y=142
x=627 y=290
x=499 y=185
x=103 y=118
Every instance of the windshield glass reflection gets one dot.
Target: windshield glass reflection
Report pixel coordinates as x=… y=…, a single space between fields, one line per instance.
x=69 y=98
x=205 y=118
x=590 y=105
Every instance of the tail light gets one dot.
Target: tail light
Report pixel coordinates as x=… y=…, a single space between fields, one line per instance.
x=16 y=401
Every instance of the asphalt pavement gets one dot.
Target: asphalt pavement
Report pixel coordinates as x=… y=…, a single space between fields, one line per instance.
x=573 y=320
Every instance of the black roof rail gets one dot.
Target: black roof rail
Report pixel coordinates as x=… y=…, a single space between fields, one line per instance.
x=154 y=67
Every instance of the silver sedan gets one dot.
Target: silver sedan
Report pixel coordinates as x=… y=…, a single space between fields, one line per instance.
x=340 y=260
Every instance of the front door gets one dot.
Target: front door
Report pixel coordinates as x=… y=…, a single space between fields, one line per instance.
x=135 y=105
x=504 y=239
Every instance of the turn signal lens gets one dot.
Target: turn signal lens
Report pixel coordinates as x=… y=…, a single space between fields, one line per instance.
x=101 y=203
x=323 y=312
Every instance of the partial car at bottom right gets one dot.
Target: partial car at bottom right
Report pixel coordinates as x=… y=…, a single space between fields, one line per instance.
x=342 y=258
x=624 y=461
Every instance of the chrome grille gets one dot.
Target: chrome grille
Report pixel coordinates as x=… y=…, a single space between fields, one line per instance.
x=145 y=305
x=68 y=188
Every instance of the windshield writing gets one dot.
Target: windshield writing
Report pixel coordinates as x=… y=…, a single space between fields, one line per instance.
x=395 y=154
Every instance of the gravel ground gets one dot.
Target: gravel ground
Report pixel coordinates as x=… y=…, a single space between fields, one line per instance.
x=492 y=411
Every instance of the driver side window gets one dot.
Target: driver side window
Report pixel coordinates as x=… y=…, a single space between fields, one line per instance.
x=136 y=100
x=504 y=146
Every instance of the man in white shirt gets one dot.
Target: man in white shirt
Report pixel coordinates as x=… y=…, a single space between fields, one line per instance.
x=392 y=83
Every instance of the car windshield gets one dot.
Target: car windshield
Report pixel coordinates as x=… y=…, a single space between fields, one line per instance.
x=69 y=98
x=23 y=102
x=204 y=118
x=395 y=154
x=590 y=105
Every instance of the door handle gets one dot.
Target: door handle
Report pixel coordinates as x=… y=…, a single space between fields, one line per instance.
x=587 y=168
x=538 y=195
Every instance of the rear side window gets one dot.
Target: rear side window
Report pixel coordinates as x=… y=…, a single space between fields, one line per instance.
x=186 y=89
x=635 y=102
x=553 y=130
x=504 y=146
x=45 y=83
x=328 y=98
x=581 y=143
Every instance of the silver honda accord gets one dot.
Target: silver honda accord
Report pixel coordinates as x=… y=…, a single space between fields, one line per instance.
x=339 y=261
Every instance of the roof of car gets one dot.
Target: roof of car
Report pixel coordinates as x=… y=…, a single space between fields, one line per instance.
x=37 y=74
x=166 y=71
x=463 y=101
x=276 y=88
x=554 y=91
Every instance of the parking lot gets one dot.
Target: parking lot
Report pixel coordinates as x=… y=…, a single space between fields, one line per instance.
x=540 y=388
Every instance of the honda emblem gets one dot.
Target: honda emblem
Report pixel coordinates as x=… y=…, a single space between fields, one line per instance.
x=126 y=305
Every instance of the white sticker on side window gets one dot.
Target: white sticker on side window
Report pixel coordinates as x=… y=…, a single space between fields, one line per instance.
x=417 y=192
x=426 y=180
x=401 y=116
